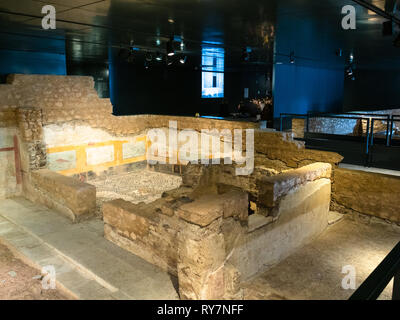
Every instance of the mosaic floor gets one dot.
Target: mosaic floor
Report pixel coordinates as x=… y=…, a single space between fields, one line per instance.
x=137 y=186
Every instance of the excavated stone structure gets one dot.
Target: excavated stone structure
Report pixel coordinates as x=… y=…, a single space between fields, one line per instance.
x=213 y=232
x=207 y=234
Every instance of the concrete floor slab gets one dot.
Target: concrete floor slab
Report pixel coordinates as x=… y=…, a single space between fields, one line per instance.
x=90 y=267
x=369 y=169
x=315 y=271
x=87 y=265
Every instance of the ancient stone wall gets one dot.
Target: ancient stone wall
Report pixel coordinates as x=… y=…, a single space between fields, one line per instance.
x=10 y=179
x=203 y=233
x=65 y=127
x=344 y=126
x=373 y=194
x=323 y=125
x=74 y=131
x=297 y=203
x=69 y=196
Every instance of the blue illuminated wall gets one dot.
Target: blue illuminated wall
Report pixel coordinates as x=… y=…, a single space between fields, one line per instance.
x=299 y=89
x=31 y=62
x=31 y=55
x=315 y=81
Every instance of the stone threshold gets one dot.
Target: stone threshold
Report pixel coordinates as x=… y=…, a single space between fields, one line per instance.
x=88 y=267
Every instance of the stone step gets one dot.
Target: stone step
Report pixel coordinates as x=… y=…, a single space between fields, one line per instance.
x=46 y=237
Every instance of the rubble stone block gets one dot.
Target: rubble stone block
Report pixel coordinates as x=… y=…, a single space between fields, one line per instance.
x=201 y=259
x=368 y=193
x=203 y=211
x=273 y=188
x=128 y=218
x=56 y=190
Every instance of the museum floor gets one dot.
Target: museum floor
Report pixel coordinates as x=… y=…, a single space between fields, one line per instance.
x=90 y=267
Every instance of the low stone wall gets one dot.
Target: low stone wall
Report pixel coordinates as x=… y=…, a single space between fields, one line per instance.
x=344 y=126
x=367 y=193
x=323 y=125
x=60 y=124
x=203 y=233
x=10 y=176
x=75 y=199
x=67 y=128
x=297 y=203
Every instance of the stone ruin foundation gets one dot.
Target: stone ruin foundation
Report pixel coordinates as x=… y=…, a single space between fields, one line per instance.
x=213 y=232
x=212 y=236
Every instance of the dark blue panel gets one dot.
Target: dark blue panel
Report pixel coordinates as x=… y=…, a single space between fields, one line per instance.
x=300 y=89
x=314 y=80
x=31 y=62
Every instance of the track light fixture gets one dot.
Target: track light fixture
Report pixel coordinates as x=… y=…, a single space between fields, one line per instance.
x=349 y=71
x=170 y=47
x=183 y=59
x=292 y=59
x=158 y=56
x=350 y=68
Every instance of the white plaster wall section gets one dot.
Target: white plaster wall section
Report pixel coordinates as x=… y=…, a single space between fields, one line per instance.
x=133 y=149
x=7 y=137
x=68 y=134
x=8 y=184
x=99 y=155
x=208 y=144
x=332 y=126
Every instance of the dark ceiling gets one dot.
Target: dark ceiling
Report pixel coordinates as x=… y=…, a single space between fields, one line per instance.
x=88 y=28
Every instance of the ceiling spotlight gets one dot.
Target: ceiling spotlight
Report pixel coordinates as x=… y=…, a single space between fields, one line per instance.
x=158 y=56
x=158 y=42
x=169 y=62
x=182 y=46
x=349 y=71
x=182 y=60
x=170 y=20
x=351 y=58
x=146 y=65
x=170 y=48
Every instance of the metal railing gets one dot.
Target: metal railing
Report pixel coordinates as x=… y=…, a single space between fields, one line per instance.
x=378 y=280
x=370 y=119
